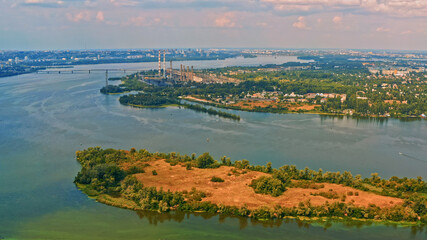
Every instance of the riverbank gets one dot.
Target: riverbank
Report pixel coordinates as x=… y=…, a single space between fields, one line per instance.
x=157 y=106
x=303 y=111
x=148 y=101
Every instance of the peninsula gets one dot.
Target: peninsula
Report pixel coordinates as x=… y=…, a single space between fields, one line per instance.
x=351 y=89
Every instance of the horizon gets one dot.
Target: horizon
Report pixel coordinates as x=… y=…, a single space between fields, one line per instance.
x=220 y=48
x=261 y=24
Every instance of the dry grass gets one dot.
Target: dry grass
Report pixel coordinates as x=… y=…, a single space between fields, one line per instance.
x=234 y=191
x=249 y=105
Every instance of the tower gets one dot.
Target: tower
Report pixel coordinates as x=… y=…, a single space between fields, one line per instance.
x=164 y=63
x=187 y=76
x=170 y=73
x=192 y=74
x=160 y=65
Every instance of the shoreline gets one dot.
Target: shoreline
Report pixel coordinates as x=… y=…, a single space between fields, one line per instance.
x=206 y=102
x=129 y=205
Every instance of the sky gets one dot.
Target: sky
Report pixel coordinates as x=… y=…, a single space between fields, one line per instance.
x=124 y=24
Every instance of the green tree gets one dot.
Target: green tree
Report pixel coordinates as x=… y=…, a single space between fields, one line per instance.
x=205 y=161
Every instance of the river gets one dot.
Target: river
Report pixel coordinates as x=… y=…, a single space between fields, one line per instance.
x=45 y=118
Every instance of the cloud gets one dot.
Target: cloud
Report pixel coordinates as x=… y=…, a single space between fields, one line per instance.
x=337 y=19
x=34 y=1
x=79 y=16
x=126 y=3
x=262 y=24
x=407 y=32
x=382 y=29
x=43 y=3
x=143 y=21
x=300 y=24
x=400 y=8
x=100 y=16
x=227 y=20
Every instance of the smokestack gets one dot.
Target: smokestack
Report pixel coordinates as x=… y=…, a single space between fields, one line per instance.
x=164 y=63
x=160 y=64
x=192 y=73
x=180 y=73
x=188 y=73
x=170 y=73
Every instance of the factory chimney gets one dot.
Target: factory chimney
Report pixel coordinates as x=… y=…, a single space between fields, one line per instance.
x=180 y=73
x=164 y=63
x=188 y=73
x=192 y=73
x=160 y=64
x=170 y=73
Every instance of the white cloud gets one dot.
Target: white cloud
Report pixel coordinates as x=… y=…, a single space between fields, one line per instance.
x=100 y=16
x=121 y=3
x=79 y=16
x=401 y=8
x=337 y=19
x=143 y=21
x=227 y=20
x=382 y=29
x=34 y=1
x=262 y=24
x=300 y=24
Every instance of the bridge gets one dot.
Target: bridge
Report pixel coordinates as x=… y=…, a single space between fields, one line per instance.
x=184 y=74
x=89 y=71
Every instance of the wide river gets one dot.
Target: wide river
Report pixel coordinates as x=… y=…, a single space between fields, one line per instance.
x=44 y=119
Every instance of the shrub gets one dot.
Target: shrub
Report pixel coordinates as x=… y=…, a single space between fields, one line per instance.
x=154 y=172
x=188 y=166
x=205 y=161
x=135 y=169
x=216 y=179
x=329 y=195
x=307 y=185
x=268 y=185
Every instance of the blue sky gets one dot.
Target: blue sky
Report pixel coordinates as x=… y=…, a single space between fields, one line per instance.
x=80 y=24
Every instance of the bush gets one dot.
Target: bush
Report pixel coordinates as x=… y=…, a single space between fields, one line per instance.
x=329 y=195
x=154 y=172
x=216 y=179
x=135 y=169
x=188 y=166
x=306 y=185
x=268 y=185
x=205 y=161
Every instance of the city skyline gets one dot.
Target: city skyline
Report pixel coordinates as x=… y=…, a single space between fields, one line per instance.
x=124 y=24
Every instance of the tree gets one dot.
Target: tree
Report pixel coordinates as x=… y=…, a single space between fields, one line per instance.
x=205 y=161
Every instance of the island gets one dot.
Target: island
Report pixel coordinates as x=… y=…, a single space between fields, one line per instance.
x=140 y=180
